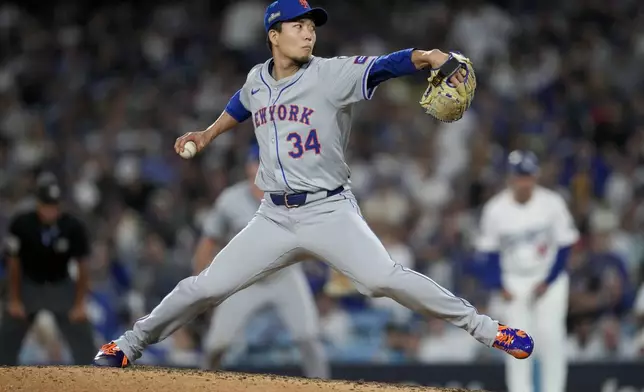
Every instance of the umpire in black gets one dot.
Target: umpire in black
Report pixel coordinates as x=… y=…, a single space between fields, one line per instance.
x=40 y=244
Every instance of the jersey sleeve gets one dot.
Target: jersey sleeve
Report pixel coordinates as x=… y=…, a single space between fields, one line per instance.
x=566 y=232
x=79 y=247
x=215 y=224
x=488 y=239
x=345 y=79
x=236 y=109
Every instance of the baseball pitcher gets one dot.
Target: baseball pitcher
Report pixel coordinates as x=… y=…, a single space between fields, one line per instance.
x=287 y=290
x=301 y=107
x=526 y=235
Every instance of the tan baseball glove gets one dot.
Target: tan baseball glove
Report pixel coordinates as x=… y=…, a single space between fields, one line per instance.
x=441 y=99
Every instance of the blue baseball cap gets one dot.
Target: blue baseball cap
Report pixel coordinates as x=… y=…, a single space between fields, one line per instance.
x=253 y=153
x=523 y=163
x=285 y=10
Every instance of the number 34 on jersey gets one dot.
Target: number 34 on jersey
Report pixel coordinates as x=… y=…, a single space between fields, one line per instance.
x=302 y=141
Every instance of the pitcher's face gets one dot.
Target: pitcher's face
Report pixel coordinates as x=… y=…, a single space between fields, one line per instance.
x=296 y=40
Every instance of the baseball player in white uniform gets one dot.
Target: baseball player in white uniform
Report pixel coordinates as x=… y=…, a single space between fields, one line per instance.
x=302 y=107
x=526 y=235
x=287 y=290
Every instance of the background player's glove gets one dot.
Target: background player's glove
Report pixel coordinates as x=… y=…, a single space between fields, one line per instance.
x=441 y=99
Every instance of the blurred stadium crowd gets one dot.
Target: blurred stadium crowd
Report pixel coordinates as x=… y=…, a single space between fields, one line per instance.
x=99 y=93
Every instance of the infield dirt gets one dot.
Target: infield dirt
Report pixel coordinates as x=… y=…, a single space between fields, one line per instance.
x=154 y=379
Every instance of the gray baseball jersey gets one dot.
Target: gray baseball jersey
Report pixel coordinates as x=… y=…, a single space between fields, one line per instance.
x=303 y=122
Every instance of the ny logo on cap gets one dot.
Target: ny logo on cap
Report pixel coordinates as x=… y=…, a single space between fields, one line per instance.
x=304 y=3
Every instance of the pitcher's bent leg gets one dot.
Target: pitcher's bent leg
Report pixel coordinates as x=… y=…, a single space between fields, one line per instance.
x=251 y=255
x=343 y=238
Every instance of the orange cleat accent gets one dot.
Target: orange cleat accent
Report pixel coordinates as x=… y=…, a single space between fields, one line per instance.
x=514 y=342
x=110 y=355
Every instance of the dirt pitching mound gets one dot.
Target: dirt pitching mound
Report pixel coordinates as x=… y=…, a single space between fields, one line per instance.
x=154 y=379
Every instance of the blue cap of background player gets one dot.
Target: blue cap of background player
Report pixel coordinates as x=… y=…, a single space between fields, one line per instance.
x=285 y=10
x=523 y=163
x=253 y=153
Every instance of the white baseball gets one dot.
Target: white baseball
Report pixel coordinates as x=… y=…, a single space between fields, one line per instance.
x=189 y=150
